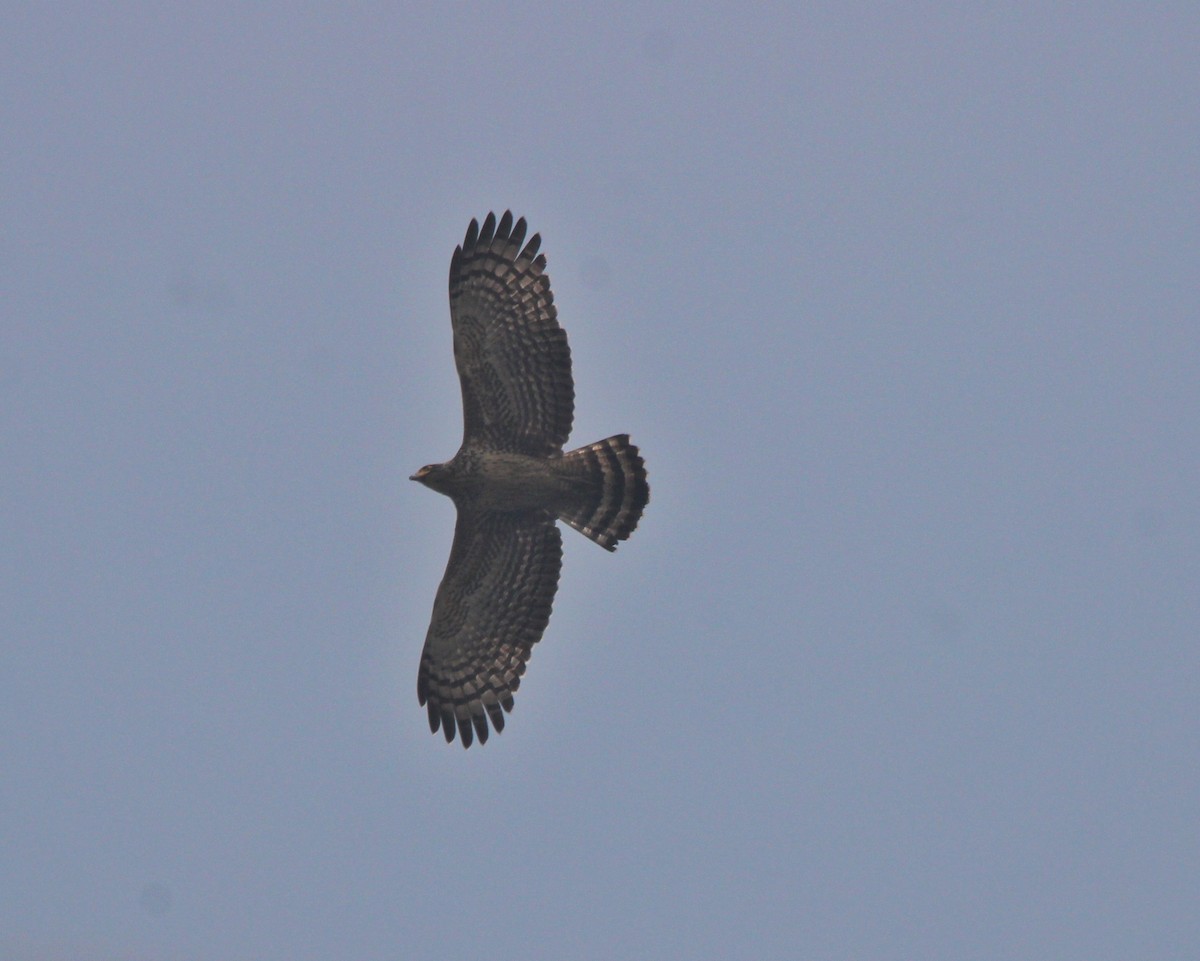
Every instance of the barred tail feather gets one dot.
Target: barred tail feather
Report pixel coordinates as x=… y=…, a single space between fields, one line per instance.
x=614 y=481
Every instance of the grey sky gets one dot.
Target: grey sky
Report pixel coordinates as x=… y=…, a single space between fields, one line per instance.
x=900 y=302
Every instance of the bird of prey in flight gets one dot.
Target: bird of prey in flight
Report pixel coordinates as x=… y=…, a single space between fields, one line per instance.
x=511 y=481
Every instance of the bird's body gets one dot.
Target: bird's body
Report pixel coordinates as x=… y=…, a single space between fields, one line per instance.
x=498 y=480
x=510 y=481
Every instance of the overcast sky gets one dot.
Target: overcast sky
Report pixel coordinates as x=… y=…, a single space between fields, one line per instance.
x=900 y=303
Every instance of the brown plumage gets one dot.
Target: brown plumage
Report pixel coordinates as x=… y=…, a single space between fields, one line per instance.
x=510 y=481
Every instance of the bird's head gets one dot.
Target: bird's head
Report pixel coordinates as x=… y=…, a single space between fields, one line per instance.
x=432 y=476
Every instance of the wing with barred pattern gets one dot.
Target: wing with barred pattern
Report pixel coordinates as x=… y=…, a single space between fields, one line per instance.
x=491 y=608
x=512 y=356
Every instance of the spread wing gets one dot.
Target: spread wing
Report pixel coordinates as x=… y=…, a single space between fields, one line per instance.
x=512 y=357
x=491 y=608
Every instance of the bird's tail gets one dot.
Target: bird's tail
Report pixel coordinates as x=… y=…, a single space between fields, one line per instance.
x=614 y=490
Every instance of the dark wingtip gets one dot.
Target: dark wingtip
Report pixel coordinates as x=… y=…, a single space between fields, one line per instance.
x=487 y=231
x=448 y=723
x=481 y=727
x=518 y=233
x=472 y=235
x=504 y=228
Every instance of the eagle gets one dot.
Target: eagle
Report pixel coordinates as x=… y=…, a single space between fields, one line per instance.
x=511 y=481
